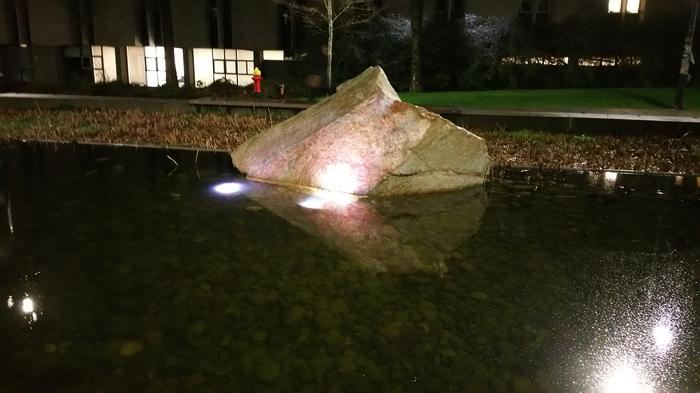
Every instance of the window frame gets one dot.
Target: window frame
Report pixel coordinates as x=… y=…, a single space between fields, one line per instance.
x=623 y=8
x=157 y=59
x=232 y=63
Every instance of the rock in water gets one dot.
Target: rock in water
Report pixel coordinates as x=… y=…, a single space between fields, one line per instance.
x=364 y=140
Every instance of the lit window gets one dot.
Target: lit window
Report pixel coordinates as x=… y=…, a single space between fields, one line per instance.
x=233 y=65
x=633 y=6
x=97 y=64
x=609 y=61
x=156 y=66
x=545 y=61
x=273 y=55
x=615 y=6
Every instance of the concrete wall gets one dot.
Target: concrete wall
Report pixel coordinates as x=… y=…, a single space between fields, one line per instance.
x=667 y=7
x=400 y=7
x=255 y=24
x=47 y=64
x=8 y=22
x=190 y=23
x=505 y=8
x=53 y=22
x=115 y=22
x=562 y=11
x=3 y=64
x=11 y=62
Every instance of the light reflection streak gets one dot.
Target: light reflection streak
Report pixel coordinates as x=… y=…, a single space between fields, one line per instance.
x=610 y=177
x=603 y=180
x=10 y=222
x=312 y=203
x=635 y=327
x=228 y=188
x=663 y=337
x=625 y=376
x=27 y=305
x=640 y=356
x=322 y=199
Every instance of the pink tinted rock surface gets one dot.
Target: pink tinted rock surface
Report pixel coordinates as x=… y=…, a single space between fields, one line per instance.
x=364 y=140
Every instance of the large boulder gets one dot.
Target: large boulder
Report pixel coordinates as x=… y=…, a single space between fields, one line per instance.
x=364 y=140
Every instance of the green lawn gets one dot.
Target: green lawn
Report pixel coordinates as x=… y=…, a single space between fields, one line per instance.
x=633 y=98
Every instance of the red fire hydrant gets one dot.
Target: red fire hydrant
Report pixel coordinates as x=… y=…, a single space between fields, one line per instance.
x=257 y=78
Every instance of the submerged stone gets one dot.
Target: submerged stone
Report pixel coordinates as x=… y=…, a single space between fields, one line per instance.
x=130 y=348
x=478 y=295
x=50 y=348
x=198 y=326
x=267 y=370
x=364 y=140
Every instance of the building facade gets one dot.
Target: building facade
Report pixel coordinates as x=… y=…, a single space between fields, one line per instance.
x=555 y=11
x=50 y=42
x=196 y=42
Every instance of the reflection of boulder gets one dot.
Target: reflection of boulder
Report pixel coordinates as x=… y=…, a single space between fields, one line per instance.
x=364 y=141
x=396 y=235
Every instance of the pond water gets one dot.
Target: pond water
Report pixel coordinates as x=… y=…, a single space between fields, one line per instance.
x=129 y=270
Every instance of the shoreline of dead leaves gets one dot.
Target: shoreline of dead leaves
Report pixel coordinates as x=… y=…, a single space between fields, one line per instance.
x=215 y=131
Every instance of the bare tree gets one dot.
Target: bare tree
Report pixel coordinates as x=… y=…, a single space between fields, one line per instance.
x=166 y=26
x=330 y=16
x=687 y=57
x=416 y=38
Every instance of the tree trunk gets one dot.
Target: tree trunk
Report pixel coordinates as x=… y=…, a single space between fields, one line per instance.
x=220 y=9
x=416 y=38
x=166 y=20
x=687 y=58
x=329 y=65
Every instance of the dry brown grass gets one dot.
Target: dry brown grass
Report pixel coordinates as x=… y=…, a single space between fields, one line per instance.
x=651 y=153
x=207 y=131
x=648 y=153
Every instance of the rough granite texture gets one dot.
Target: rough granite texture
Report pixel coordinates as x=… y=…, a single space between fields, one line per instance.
x=364 y=140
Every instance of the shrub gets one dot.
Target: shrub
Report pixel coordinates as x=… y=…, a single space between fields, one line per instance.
x=384 y=42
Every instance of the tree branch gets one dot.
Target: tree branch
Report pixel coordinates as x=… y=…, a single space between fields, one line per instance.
x=360 y=14
x=309 y=15
x=340 y=13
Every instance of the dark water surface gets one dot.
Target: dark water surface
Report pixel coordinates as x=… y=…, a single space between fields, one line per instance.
x=126 y=273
